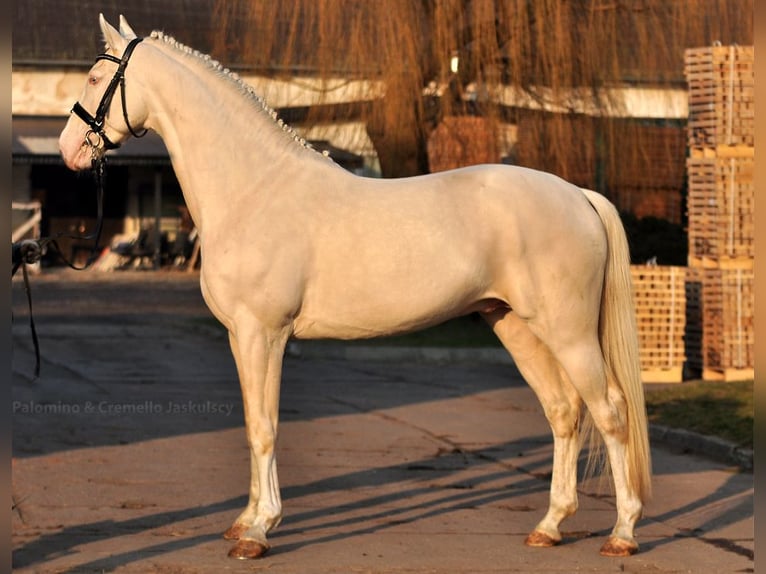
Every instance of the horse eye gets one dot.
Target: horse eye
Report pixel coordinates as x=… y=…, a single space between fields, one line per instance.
x=92 y=80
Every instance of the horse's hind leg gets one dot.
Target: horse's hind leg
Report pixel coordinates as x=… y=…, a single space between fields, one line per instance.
x=258 y=354
x=561 y=404
x=584 y=363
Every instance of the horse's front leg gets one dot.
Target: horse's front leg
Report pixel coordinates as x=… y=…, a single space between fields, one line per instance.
x=247 y=517
x=258 y=354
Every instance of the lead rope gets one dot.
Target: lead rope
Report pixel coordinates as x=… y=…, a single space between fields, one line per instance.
x=30 y=251
x=26 y=253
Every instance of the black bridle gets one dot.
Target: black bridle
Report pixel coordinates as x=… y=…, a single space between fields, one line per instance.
x=96 y=123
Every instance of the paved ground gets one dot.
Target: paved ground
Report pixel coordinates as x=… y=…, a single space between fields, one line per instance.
x=130 y=456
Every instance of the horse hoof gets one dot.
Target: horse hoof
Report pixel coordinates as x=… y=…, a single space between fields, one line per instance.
x=539 y=539
x=248 y=549
x=235 y=532
x=618 y=548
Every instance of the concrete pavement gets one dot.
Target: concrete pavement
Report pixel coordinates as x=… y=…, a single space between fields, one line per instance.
x=130 y=456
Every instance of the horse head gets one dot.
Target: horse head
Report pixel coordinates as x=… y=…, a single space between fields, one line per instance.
x=99 y=121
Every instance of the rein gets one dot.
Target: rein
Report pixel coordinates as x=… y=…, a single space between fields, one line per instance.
x=30 y=251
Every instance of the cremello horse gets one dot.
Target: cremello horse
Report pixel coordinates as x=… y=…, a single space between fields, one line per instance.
x=295 y=246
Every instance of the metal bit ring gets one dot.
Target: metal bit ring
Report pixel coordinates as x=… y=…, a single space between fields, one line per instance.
x=95 y=146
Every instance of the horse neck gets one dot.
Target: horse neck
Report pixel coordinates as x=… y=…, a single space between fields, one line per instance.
x=222 y=142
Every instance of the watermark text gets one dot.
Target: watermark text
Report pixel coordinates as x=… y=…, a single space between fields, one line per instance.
x=109 y=408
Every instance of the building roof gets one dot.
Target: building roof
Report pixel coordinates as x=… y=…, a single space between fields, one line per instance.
x=58 y=34
x=66 y=32
x=35 y=140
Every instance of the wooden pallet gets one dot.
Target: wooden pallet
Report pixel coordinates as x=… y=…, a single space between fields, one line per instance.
x=673 y=374
x=728 y=375
x=722 y=151
x=720 y=333
x=660 y=299
x=744 y=262
x=721 y=207
x=721 y=95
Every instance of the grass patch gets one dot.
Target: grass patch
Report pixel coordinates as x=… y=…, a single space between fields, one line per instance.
x=724 y=410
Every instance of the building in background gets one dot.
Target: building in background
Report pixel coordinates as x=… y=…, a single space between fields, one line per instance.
x=433 y=86
x=142 y=193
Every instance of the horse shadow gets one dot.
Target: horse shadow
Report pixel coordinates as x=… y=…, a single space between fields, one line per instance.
x=62 y=543
x=375 y=512
x=731 y=515
x=369 y=514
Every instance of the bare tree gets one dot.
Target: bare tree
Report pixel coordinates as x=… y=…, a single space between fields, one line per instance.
x=542 y=48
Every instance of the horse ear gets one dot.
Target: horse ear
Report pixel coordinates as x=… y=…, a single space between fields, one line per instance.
x=112 y=37
x=125 y=29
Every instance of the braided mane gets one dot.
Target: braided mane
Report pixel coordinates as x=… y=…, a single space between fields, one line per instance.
x=244 y=88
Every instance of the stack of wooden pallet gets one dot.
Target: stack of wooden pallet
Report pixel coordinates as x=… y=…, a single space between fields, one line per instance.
x=720 y=207
x=721 y=95
x=721 y=199
x=660 y=298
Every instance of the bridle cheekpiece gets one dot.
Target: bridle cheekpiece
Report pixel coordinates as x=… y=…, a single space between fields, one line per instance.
x=96 y=123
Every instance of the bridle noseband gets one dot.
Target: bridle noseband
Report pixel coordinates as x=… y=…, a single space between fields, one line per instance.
x=96 y=123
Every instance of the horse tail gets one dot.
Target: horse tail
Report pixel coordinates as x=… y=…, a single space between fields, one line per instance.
x=618 y=336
